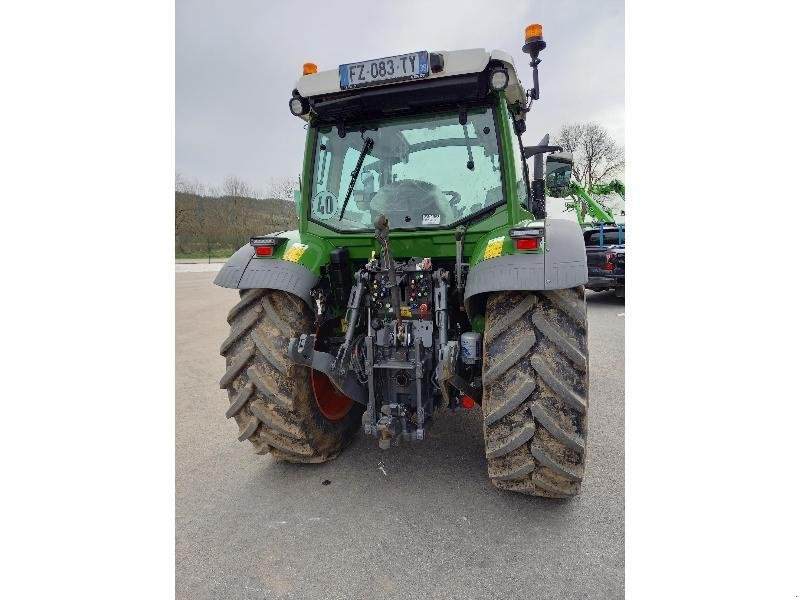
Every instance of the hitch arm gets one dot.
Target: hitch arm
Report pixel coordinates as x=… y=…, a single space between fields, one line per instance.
x=301 y=352
x=353 y=309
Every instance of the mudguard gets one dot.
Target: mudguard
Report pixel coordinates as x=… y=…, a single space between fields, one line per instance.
x=295 y=275
x=561 y=265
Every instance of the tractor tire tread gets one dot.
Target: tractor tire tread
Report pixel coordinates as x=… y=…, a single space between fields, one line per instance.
x=536 y=382
x=270 y=398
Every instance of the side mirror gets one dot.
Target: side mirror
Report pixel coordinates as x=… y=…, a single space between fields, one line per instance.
x=561 y=157
x=542 y=148
x=559 y=173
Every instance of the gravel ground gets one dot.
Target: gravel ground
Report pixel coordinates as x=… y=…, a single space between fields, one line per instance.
x=420 y=520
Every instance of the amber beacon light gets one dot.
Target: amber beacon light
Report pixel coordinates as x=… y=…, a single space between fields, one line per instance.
x=533 y=32
x=311 y=68
x=534 y=43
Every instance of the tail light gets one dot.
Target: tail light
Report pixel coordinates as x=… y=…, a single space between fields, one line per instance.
x=266 y=245
x=527 y=243
x=527 y=239
x=609 y=266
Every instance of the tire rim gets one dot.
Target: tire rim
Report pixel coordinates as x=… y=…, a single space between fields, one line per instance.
x=331 y=403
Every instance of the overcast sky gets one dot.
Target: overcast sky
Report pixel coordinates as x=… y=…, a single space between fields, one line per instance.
x=237 y=62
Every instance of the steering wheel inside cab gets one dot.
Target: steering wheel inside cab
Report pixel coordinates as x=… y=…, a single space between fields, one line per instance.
x=455 y=200
x=405 y=202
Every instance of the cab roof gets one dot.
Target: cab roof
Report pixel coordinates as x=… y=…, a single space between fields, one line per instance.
x=456 y=63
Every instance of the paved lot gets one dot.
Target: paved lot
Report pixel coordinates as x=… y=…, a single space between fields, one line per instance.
x=419 y=521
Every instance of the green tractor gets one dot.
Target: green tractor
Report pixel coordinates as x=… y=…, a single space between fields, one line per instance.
x=424 y=276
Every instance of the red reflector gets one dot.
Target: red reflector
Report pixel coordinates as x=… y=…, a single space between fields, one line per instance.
x=263 y=250
x=608 y=267
x=527 y=243
x=467 y=402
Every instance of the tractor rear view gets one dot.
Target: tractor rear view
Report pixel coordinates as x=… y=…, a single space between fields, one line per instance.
x=424 y=276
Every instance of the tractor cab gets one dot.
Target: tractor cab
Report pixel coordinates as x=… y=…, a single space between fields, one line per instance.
x=431 y=140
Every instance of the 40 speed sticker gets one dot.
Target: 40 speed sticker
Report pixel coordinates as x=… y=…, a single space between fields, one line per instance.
x=324 y=205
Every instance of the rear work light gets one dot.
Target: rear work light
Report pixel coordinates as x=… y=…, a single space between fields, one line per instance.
x=298 y=105
x=527 y=239
x=498 y=80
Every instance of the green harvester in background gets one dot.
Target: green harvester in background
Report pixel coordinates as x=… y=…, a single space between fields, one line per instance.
x=560 y=184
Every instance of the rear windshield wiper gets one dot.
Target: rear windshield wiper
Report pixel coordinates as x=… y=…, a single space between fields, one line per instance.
x=368 y=143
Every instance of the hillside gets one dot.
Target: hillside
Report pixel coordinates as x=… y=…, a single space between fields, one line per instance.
x=218 y=226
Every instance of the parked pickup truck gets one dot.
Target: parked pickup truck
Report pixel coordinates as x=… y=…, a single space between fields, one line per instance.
x=605 y=258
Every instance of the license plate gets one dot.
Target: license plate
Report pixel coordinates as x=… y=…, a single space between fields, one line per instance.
x=381 y=70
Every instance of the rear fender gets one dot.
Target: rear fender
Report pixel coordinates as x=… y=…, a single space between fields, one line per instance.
x=561 y=265
x=294 y=268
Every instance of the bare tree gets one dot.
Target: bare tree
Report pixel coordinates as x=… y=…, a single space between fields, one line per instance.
x=236 y=188
x=597 y=156
x=184 y=186
x=236 y=216
x=186 y=224
x=283 y=188
x=210 y=219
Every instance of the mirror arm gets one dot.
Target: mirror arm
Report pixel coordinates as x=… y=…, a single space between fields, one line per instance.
x=542 y=149
x=536 y=201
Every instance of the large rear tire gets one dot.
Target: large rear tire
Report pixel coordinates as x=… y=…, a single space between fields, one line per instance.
x=272 y=399
x=535 y=400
